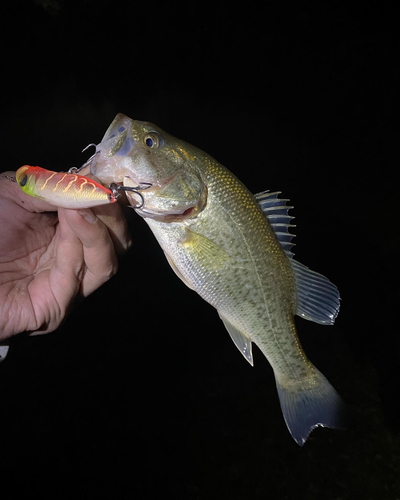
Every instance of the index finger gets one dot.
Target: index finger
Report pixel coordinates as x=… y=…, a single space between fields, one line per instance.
x=98 y=249
x=112 y=216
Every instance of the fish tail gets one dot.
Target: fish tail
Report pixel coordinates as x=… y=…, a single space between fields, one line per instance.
x=309 y=404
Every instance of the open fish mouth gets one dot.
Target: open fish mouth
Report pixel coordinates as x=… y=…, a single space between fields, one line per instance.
x=149 y=208
x=119 y=143
x=165 y=216
x=117 y=140
x=112 y=160
x=132 y=159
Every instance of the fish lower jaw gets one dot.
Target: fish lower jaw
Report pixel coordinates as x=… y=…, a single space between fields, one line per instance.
x=166 y=216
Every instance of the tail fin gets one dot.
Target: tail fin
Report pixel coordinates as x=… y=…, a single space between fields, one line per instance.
x=306 y=406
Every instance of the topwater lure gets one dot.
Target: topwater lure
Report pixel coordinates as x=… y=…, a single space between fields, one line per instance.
x=63 y=189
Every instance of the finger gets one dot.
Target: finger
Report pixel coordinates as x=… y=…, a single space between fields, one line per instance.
x=56 y=289
x=112 y=216
x=66 y=273
x=99 y=255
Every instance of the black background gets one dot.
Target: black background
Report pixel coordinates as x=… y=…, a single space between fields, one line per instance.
x=141 y=393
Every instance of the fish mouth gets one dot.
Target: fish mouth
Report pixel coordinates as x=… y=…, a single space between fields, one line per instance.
x=173 y=215
x=117 y=141
x=148 y=210
x=109 y=162
x=120 y=158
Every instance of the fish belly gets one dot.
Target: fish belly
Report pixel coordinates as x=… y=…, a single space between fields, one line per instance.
x=248 y=280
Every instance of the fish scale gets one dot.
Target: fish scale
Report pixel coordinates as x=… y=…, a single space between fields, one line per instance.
x=234 y=250
x=264 y=271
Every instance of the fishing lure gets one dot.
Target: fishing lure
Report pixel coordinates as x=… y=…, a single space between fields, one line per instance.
x=64 y=189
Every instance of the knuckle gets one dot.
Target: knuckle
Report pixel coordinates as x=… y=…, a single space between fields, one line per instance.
x=110 y=270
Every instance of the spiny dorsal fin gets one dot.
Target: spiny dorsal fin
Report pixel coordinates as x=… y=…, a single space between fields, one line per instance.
x=277 y=213
x=318 y=299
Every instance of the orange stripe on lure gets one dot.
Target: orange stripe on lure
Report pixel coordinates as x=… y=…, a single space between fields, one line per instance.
x=62 y=189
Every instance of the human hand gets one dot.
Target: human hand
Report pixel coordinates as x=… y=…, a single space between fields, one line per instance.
x=49 y=259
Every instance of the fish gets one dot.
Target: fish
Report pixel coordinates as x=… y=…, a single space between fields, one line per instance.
x=63 y=189
x=234 y=249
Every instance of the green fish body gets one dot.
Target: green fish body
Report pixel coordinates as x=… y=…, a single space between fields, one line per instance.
x=233 y=249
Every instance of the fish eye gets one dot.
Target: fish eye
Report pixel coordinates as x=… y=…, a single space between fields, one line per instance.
x=153 y=140
x=23 y=181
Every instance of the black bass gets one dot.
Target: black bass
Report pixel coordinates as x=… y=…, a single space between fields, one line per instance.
x=232 y=248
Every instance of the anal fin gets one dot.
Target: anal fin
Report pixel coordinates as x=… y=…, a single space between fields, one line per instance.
x=241 y=341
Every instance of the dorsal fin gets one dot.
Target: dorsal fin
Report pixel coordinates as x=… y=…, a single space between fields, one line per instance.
x=277 y=212
x=318 y=299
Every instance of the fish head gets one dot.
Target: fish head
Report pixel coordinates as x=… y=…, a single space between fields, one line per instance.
x=136 y=153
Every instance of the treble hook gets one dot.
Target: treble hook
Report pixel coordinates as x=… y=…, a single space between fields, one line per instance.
x=116 y=188
x=92 y=157
x=88 y=146
x=75 y=170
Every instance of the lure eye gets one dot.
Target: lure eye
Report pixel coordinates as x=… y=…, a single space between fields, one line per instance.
x=153 y=140
x=23 y=181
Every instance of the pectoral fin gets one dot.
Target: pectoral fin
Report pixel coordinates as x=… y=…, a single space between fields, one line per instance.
x=241 y=341
x=204 y=250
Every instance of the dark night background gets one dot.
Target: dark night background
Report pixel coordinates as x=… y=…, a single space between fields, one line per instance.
x=141 y=393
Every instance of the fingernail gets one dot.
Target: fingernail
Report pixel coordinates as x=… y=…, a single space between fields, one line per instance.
x=88 y=215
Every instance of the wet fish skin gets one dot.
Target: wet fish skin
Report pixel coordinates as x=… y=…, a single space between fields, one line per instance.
x=222 y=244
